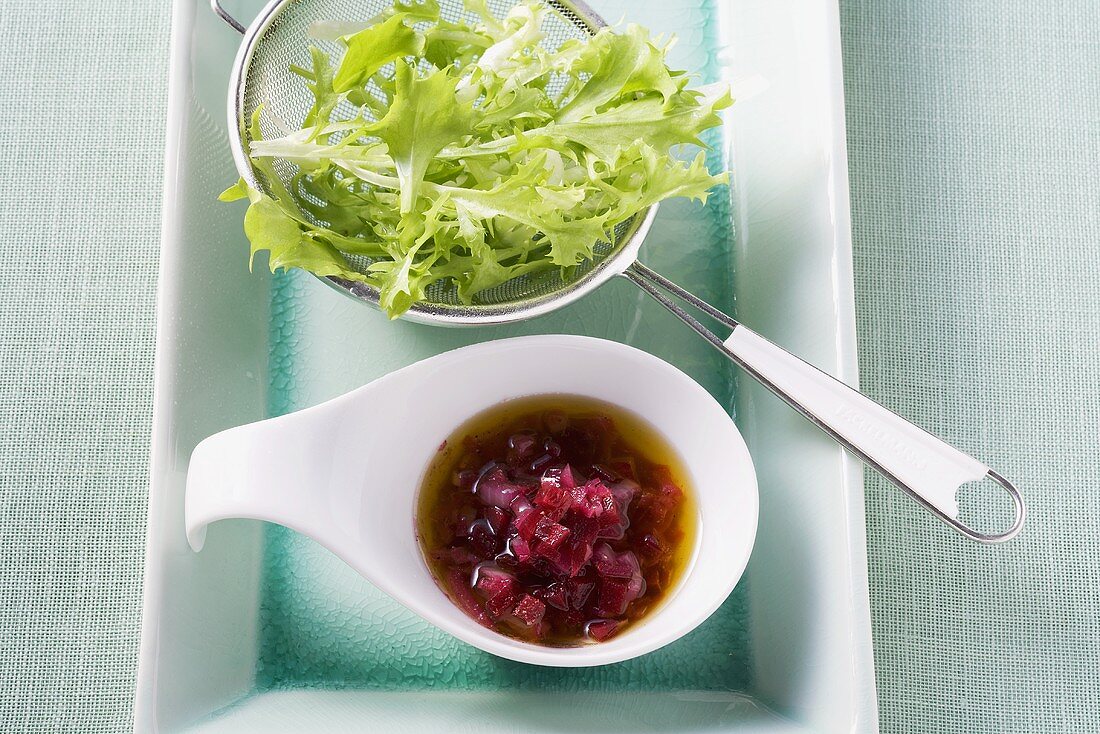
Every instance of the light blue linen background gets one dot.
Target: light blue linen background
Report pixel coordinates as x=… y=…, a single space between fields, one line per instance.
x=974 y=139
x=974 y=145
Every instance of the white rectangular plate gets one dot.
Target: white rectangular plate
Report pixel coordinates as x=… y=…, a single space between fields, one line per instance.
x=225 y=357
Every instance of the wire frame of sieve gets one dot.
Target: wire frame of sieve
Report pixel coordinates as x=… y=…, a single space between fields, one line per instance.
x=261 y=77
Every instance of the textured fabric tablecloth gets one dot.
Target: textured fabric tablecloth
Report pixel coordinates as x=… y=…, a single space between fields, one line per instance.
x=974 y=146
x=83 y=87
x=974 y=139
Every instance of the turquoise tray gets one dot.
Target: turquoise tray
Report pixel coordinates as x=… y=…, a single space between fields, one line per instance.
x=265 y=630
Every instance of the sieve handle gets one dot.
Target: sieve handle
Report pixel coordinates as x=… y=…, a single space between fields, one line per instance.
x=927 y=468
x=224 y=14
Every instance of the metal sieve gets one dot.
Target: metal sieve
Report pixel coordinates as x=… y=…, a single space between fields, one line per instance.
x=925 y=467
x=261 y=79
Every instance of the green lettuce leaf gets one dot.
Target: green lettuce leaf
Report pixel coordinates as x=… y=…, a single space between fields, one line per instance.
x=289 y=244
x=461 y=151
x=372 y=48
x=618 y=65
x=424 y=118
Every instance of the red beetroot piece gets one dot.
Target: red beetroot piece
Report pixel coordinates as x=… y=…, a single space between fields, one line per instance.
x=459 y=586
x=616 y=594
x=497 y=519
x=529 y=610
x=600 y=629
x=499 y=587
x=617 y=565
x=483 y=542
x=493 y=487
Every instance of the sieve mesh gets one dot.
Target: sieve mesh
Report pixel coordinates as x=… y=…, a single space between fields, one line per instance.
x=266 y=83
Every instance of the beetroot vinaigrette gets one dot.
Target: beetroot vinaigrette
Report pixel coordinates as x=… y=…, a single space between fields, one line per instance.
x=556 y=519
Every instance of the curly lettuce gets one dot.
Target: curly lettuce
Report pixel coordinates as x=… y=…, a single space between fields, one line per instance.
x=473 y=154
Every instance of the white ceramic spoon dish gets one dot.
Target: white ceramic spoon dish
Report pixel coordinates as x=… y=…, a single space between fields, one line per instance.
x=347 y=473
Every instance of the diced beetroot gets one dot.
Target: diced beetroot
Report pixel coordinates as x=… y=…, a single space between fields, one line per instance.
x=602 y=424
x=598 y=502
x=526 y=523
x=672 y=494
x=500 y=605
x=588 y=499
x=520 y=505
x=588 y=438
x=584 y=530
x=553 y=534
x=659 y=475
x=612 y=523
x=550 y=535
x=568 y=477
x=500 y=588
x=483 y=542
x=624 y=492
x=506 y=559
x=574 y=618
x=529 y=610
x=521 y=549
x=608 y=563
x=658 y=505
x=600 y=629
x=497 y=519
x=651 y=548
x=542 y=526
x=493 y=487
x=523 y=445
x=655 y=585
x=572 y=557
x=581 y=555
x=458 y=584
x=625 y=467
x=551 y=494
x=577 y=444
x=616 y=592
x=614 y=596
x=667 y=494
x=556 y=595
x=578 y=591
x=558 y=515
x=492 y=580
x=600 y=430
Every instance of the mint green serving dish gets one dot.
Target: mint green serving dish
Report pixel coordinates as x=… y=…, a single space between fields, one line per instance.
x=266 y=631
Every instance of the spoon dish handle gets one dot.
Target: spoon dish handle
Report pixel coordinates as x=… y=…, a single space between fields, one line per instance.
x=927 y=468
x=261 y=471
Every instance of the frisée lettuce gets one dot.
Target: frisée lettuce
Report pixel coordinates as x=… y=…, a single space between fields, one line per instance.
x=474 y=154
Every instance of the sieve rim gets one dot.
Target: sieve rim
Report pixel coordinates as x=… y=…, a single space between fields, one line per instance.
x=424 y=312
x=602 y=270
